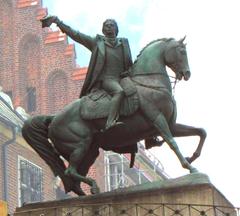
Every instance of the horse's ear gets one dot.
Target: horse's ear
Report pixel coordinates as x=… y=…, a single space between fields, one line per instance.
x=181 y=40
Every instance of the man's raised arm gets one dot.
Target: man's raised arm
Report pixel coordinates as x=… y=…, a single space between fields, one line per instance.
x=77 y=36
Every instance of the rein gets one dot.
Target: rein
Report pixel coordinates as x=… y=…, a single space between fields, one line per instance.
x=147 y=86
x=175 y=83
x=155 y=87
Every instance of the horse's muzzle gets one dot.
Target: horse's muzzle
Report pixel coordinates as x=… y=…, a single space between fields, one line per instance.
x=183 y=74
x=186 y=75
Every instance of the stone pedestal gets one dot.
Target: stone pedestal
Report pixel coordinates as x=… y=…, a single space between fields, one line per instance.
x=188 y=195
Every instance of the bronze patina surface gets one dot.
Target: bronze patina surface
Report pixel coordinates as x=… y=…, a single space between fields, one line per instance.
x=77 y=137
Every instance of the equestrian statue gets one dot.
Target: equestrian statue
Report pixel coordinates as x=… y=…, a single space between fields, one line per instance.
x=114 y=112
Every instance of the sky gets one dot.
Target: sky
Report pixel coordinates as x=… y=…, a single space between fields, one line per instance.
x=210 y=99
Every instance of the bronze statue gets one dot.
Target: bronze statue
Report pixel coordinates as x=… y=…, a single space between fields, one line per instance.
x=147 y=110
x=111 y=58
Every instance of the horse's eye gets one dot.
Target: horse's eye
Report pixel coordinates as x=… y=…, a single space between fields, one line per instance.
x=182 y=51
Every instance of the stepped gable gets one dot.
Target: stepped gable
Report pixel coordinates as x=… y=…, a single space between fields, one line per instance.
x=36 y=59
x=38 y=71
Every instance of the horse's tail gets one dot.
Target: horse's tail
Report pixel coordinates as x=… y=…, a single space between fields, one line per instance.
x=35 y=132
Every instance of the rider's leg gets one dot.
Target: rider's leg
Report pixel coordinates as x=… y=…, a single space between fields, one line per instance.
x=113 y=88
x=162 y=125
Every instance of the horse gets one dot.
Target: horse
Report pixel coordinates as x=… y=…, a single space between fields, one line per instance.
x=78 y=140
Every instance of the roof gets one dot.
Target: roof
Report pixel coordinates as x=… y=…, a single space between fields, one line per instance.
x=8 y=115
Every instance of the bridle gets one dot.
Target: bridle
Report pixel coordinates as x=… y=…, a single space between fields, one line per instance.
x=173 y=66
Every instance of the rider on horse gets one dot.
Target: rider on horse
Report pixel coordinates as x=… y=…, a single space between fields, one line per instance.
x=110 y=61
x=78 y=139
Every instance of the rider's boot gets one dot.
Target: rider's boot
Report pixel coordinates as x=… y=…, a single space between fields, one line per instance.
x=114 y=111
x=153 y=142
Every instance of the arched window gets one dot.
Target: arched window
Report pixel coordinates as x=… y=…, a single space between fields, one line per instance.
x=29 y=72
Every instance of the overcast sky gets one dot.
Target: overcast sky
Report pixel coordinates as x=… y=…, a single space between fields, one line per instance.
x=210 y=99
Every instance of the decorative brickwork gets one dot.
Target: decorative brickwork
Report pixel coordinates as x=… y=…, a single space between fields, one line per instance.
x=26 y=3
x=79 y=74
x=57 y=87
x=39 y=60
x=30 y=55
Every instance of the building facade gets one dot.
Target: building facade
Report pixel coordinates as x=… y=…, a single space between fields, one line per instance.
x=38 y=71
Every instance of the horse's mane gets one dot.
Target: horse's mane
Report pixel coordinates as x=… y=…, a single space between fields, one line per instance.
x=159 y=39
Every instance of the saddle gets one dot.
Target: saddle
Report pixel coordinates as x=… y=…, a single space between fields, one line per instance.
x=96 y=104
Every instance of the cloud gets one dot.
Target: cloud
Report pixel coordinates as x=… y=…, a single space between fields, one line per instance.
x=89 y=15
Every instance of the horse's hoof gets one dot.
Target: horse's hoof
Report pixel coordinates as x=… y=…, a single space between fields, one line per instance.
x=77 y=190
x=95 y=190
x=189 y=160
x=193 y=170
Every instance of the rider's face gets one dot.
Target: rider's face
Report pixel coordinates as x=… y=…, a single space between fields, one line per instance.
x=109 y=29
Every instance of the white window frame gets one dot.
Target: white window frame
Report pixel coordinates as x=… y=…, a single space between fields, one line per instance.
x=19 y=186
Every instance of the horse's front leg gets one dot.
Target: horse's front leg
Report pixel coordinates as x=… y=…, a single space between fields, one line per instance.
x=180 y=130
x=162 y=125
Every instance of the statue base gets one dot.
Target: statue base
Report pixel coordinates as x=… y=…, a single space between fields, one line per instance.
x=192 y=194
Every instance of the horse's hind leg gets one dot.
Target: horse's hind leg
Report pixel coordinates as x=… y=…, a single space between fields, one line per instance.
x=162 y=125
x=81 y=148
x=35 y=132
x=179 y=130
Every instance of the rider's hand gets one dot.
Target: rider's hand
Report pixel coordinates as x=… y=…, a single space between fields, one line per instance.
x=48 y=20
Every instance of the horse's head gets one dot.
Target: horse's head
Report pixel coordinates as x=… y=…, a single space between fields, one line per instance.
x=176 y=58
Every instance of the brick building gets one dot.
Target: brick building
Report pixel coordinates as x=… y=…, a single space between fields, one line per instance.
x=38 y=71
x=38 y=66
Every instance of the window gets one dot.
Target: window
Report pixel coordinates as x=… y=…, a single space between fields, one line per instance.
x=30 y=182
x=115 y=171
x=31 y=99
x=116 y=176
